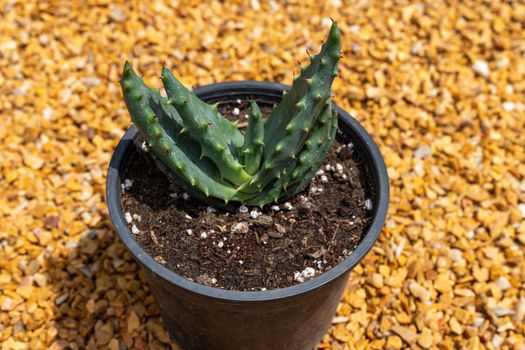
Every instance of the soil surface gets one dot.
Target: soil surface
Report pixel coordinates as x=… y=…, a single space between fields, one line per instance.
x=249 y=248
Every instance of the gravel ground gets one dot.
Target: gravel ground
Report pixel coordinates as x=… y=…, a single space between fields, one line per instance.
x=440 y=85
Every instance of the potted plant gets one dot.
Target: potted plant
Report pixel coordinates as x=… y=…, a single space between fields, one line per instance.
x=212 y=171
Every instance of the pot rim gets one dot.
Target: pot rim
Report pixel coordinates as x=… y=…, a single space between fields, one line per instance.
x=378 y=168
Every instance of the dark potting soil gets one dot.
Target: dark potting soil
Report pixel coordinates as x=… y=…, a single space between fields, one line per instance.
x=276 y=247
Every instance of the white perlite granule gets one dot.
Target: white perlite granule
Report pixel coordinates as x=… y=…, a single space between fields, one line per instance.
x=255 y=214
x=304 y=275
x=368 y=204
x=126 y=185
x=236 y=111
x=243 y=209
x=287 y=206
x=135 y=230
x=128 y=218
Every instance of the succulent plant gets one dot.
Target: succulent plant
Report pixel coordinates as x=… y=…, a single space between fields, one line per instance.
x=207 y=155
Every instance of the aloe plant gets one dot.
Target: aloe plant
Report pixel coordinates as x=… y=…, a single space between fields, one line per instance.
x=207 y=155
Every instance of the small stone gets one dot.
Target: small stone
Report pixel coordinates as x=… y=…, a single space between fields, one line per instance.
x=256 y=6
x=503 y=283
x=117 y=14
x=6 y=304
x=405 y=333
x=508 y=106
x=422 y=152
x=481 y=67
x=340 y=319
x=113 y=344
x=159 y=259
x=455 y=326
x=521 y=208
x=519 y=315
x=104 y=334
x=133 y=322
x=425 y=339
x=91 y=82
x=60 y=299
x=393 y=342
x=443 y=283
x=506 y=327
x=416 y=48
x=497 y=341
x=47 y=113
x=502 y=311
x=376 y=280
x=40 y=279
x=420 y=292
x=478 y=322
x=455 y=254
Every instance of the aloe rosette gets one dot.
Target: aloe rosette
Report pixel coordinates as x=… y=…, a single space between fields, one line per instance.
x=208 y=156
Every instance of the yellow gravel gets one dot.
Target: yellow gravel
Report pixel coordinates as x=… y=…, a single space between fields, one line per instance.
x=440 y=86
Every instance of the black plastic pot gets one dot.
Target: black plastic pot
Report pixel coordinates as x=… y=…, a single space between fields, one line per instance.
x=293 y=318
